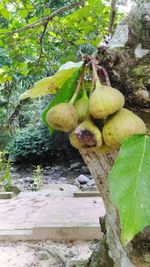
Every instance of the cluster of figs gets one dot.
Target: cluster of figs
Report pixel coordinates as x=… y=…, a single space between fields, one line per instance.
x=98 y=122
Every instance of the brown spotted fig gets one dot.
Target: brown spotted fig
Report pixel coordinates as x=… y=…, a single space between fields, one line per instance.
x=86 y=135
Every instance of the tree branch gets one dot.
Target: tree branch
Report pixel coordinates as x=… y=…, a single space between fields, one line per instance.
x=14 y=114
x=41 y=42
x=112 y=16
x=45 y=19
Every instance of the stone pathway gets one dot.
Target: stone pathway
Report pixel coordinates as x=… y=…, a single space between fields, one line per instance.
x=51 y=213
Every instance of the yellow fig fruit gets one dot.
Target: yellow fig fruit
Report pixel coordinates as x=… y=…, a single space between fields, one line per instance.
x=82 y=106
x=121 y=125
x=86 y=135
x=62 y=117
x=105 y=100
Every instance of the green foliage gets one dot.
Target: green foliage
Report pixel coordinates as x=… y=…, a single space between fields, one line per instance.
x=37 y=176
x=5 y=172
x=30 y=143
x=130 y=185
x=24 y=54
x=51 y=85
x=4 y=129
x=29 y=55
x=34 y=144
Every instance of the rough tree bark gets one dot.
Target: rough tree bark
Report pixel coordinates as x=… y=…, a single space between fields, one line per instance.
x=129 y=70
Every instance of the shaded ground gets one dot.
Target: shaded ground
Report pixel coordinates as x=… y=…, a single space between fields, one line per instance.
x=23 y=176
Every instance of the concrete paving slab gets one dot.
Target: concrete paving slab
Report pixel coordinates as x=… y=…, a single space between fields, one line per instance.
x=86 y=194
x=50 y=214
x=16 y=235
x=6 y=195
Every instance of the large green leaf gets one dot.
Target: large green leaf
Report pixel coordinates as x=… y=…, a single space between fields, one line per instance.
x=130 y=185
x=63 y=95
x=50 y=85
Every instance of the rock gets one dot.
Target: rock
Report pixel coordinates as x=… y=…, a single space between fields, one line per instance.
x=15 y=189
x=56 y=168
x=43 y=255
x=70 y=254
x=47 y=168
x=46 y=172
x=28 y=180
x=48 y=263
x=62 y=180
x=13 y=169
x=19 y=182
x=75 y=165
x=77 y=183
x=91 y=182
x=82 y=179
x=15 y=176
x=45 y=177
x=29 y=169
x=18 y=167
x=84 y=187
x=85 y=170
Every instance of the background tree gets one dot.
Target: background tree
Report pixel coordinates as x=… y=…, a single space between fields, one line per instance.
x=128 y=69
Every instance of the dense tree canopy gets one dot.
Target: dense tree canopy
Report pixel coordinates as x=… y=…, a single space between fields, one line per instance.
x=36 y=37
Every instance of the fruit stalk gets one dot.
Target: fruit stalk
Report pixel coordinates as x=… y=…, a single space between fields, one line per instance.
x=78 y=86
x=106 y=75
x=95 y=75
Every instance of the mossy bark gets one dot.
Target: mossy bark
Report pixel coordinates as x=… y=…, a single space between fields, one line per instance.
x=130 y=73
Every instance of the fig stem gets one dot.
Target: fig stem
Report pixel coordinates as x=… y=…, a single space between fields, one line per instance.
x=83 y=85
x=105 y=74
x=95 y=75
x=92 y=85
x=72 y=100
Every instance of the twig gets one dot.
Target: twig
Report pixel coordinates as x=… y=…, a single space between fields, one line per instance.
x=112 y=16
x=92 y=85
x=95 y=75
x=45 y=19
x=43 y=33
x=105 y=74
x=64 y=39
x=14 y=114
x=41 y=42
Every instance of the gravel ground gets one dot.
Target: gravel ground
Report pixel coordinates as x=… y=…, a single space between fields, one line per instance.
x=44 y=254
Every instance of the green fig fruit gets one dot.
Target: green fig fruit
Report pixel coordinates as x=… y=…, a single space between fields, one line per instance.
x=105 y=100
x=121 y=125
x=62 y=117
x=82 y=106
x=86 y=135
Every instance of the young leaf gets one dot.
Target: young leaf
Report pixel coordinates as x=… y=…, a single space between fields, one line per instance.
x=50 y=85
x=64 y=95
x=130 y=185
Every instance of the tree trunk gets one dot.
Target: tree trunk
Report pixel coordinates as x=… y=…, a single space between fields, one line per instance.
x=110 y=251
x=129 y=71
x=100 y=166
